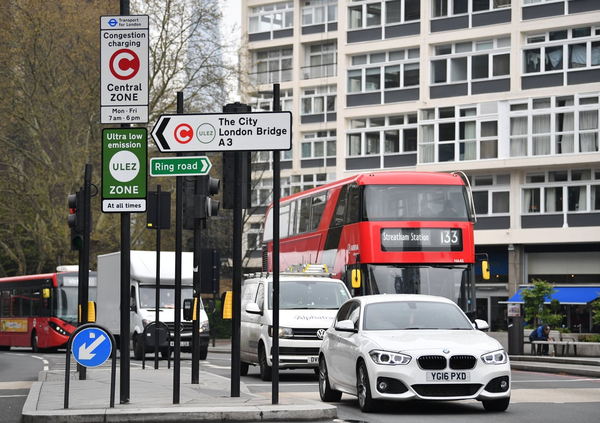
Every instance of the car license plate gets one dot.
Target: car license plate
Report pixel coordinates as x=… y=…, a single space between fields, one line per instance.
x=181 y=343
x=313 y=359
x=448 y=376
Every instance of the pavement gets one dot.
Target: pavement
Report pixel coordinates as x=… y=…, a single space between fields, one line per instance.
x=151 y=392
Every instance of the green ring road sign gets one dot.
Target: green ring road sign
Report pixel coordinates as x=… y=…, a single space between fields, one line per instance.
x=180 y=166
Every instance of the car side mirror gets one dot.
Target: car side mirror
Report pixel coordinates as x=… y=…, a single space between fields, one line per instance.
x=481 y=324
x=345 y=326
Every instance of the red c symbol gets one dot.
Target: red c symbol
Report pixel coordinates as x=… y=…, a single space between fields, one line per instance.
x=184 y=133
x=124 y=64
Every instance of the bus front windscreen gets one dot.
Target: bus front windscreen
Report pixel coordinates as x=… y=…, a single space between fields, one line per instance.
x=414 y=202
x=452 y=282
x=67 y=302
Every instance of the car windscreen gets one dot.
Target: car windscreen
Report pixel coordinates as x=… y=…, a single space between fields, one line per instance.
x=411 y=315
x=304 y=294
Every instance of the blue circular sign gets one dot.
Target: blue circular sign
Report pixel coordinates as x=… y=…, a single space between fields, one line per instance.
x=91 y=347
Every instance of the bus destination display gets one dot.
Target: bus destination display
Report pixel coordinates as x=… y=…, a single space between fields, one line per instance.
x=421 y=239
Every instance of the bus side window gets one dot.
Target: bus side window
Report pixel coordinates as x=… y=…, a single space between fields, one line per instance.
x=304 y=215
x=353 y=214
x=340 y=208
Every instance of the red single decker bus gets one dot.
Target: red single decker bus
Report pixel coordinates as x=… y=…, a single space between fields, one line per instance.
x=40 y=311
x=389 y=232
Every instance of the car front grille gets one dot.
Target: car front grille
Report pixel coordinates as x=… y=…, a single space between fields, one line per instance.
x=298 y=351
x=432 y=362
x=447 y=390
x=307 y=333
x=439 y=362
x=462 y=362
x=185 y=326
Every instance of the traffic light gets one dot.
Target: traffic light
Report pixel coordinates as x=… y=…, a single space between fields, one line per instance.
x=76 y=219
x=208 y=206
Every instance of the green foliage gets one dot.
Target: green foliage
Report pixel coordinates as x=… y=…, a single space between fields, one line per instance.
x=596 y=311
x=589 y=338
x=535 y=310
x=222 y=327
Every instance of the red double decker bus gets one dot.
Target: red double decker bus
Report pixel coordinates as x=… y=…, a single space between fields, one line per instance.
x=389 y=232
x=40 y=311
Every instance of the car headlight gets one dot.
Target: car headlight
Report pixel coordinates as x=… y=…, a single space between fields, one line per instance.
x=204 y=326
x=389 y=358
x=283 y=332
x=495 y=357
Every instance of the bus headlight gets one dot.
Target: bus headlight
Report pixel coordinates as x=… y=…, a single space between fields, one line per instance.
x=58 y=329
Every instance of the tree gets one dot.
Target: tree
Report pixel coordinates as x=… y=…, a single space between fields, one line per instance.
x=50 y=104
x=535 y=310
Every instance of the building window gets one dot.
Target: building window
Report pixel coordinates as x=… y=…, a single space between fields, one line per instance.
x=264 y=101
x=321 y=144
x=471 y=61
x=562 y=50
x=388 y=135
x=271 y=17
x=554 y=125
x=458 y=134
x=445 y=8
x=316 y=12
x=272 y=66
x=561 y=191
x=390 y=70
x=322 y=59
x=397 y=11
x=491 y=194
x=298 y=183
x=319 y=100
x=253 y=236
x=262 y=193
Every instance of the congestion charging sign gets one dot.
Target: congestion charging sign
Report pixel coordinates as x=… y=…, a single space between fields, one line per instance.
x=124 y=170
x=124 y=56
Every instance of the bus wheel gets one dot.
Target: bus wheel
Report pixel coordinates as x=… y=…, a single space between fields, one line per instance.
x=34 y=342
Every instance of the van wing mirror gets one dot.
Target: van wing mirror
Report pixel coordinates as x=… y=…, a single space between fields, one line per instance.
x=253 y=308
x=211 y=306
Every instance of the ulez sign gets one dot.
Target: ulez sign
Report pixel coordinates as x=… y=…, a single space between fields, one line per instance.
x=180 y=166
x=124 y=170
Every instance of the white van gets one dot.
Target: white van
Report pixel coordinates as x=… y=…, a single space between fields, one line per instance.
x=307 y=307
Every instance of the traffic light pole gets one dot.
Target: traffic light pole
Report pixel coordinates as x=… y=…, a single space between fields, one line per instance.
x=84 y=253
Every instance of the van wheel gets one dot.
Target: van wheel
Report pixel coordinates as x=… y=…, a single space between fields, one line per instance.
x=166 y=353
x=203 y=353
x=266 y=373
x=34 y=342
x=137 y=347
x=244 y=369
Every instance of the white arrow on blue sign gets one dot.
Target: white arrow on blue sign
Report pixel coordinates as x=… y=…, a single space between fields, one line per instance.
x=91 y=347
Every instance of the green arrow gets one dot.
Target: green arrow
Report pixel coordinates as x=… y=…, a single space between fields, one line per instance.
x=179 y=166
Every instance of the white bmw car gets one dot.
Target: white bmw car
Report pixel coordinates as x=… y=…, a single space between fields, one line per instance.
x=411 y=347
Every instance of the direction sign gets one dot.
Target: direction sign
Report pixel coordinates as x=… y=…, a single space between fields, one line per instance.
x=124 y=170
x=124 y=73
x=91 y=347
x=224 y=132
x=180 y=166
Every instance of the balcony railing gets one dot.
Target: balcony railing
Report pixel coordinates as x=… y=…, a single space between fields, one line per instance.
x=271 y=77
x=319 y=71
